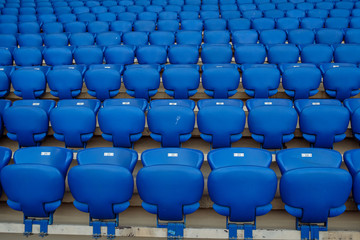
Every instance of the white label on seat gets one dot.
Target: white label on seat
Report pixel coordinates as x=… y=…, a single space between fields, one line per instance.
x=36 y=68
x=45 y=153
x=173 y=154
x=125 y=103
x=107 y=67
x=296 y=66
x=268 y=103
x=36 y=104
x=315 y=103
x=306 y=155
x=336 y=66
x=80 y=103
x=108 y=154
x=172 y=103
x=239 y=154
x=1 y=69
x=71 y=67
x=219 y=103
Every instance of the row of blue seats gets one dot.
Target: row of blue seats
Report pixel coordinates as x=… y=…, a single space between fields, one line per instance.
x=272 y=122
x=170 y=184
x=181 y=54
x=300 y=81
x=299 y=37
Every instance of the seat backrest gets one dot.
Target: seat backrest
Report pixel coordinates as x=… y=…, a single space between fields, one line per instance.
x=29 y=82
x=250 y=53
x=348 y=53
x=329 y=36
x=151 y=54
x=272 y=36
x=216 y=53
x=316 y=53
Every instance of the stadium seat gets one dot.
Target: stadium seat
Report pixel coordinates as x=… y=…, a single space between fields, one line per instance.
x=352 y=36
x=183 y=54
x=109 y=84
x=225 y=88
x=122 y=121
x=302 y=167
x=5 y=157
x=171 y=185
x=234 y=171
x=121 y=54
x=162 y=38
x=8 y=40
x=96 y=27
x=56 y=40
x=347 y=53
x=318 y=13
x=127 y=16
x=29 y=82
x=342 y=82
x=274 y=14
x=252 y=14
x=121 y=26
x=192 y=25
x=215 y=24
x=52 y=27
x=88 y=55
x=30 y=40
x=352 y=104
x=54 y=56
x=37 y=121
x=216 y=37
x=29 y=27
x=295 y=13
x=151 y=54
x=301 y=37
x=283 y=53
x=250 y=53
x=329 y=36
x=171 y=25
x=135 y=38
x=337 y=22
x=8 y=18
x=260 y=81
x=238 y=24
x=144 y=26
x=82 y=39
x=301 y=80
x=47 y=18
x=245 y=37
x=312 y=23
x=108 y=39
x=261 y=24
x=272 y=122
x=86 y=17
x=5 y=74
x=306 y=6
x=102 y=185
x=189 y=37
x=287 y=24
x=27 y=56
x=74 y=121
x=142 y=81
x=171 y=122
x=165 y=15
x=188 y=15
x=325 y=5
x=65 y=82
x=323 y=122
x=274 y=36
x=221 y=129
x=40 y=171
x=66 y=17
x=231 y=14
x=351 y=160
x=181 y=81
x=343 y=13
x=216 y=53
x=317 y=54
x=106 y=17
x=6 y=57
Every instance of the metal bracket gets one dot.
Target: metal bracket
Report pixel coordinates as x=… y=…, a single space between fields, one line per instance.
x=247 y=227
x=43 y=222
x=175 y=230
x=111 y=225
x=310 y=231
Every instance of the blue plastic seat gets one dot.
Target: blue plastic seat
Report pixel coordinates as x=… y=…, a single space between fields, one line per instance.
x=283 y=53
x=351 y=160
x=233 y=172
x=144 y=26
x=8 y=28
x=171 y=185
x=247 y=6
x=302 y=167
x=274 y=36
x=86 y=17
x=75 y=27
x=216 y=24
x=165 y=15
x=110 y=83
x=301 y=80
x=221 y=129
x=188 y=15
x=217 y=37
x=89 y=55
x=216 y=53
x=189 y=37
x=127 y=16
x=238 y=24
x=82 y=39
x=108 y=39
x=66 y=17
x=29 y=82
x=96 y=27
x=5 y=157
x=225 y=88
x=245 y=37
x=5 y=73
x=154 y=8
x=204 y=15
x=287 y=23
x=6 y=57
x=192 y=25
x=162 y=38
x=74 y=121
x=102 y=185
x=56 y=40
x=37 y=121
x=323 y=122
x=8 y=40
x=106 y=17
x=329 y=36
x=312 y=23
x=183 y=54
x=285 y=6
x=171 y=25
x=27 y=56
x=171 y=122
x=343 y=13
x=142 y=81
x=260 y=81
x=151 y=54
x=30 y=40
x=181 y=81
x=317 y=54
x=54 y=56
x=121 y=26
x=352 y=104
x=41 y=171
x=230 y=14
x=337 y=22
x=252 y=14
x=121 y=54
x=342 y=82
x=260 y=24
x=135 y=38
x=352 y=36
x=250 y=53
x=355 y=22
x=5 y=18
x=301 y=37
x=52 y=27
x=325 y=5
x=65 y=82
x=122 y=121
x=29 y=27
x=347 y=53
x=318 y=13
x=272 y=122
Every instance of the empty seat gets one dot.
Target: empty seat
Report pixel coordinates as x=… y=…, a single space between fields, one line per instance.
x=204 y=15
x=301 y=80
x=342 y=82
x=221 y=129
x=231 y=14
x=8 y=40
x=171 y=25
x=238 y=24
x=318 y=13
x=144 y=26
x=322 y=121
x=192 y=25
x=347 y=53
x=355 y=22
x=216 y=37
x=250 y=53
x=329 y=36
x=283 y=53
x=30 y=40
x=245 y=37
x=260 y=24
x=66 y=17
x=5 y=73
x=58 y=56
x=103 y=81
x=75 y=27
x=121 y=26
x=295 y=13
x=142 y=81
x=56 y=40
x=88 y=55
x=305 y=6
x=260 y=81
x=29 y=27
x=162 y=38
x=337 y=22
x=188 y=15
x=106 y=17
x=287 y=23
x=108 y=39
x=121 y=54
x=82 y=39
x=41 y=171
x=216 y=53
x=252 y=14
x=215 y=24
x=37 y=121
x=122 y=121
x=317 y=54
x=343 y=13
x=189 y=37
x=301 y=37
x=27 y=56
x=5 y=155
x=183 y=54
x=98 y=27
x=274 y=36
x=229 y=75
x=272 y=122
x=6 y=57
x=351 y=160
x=8 y=19
x=312 y=23
x=52 y=27
x=135 y=38
x=171 y=185
x=352 y=104
x=86 y=17
x=74 y=121
x=302 y=167
x=165 y=15
x=151 y=54
x=233 y=172
x=127 y=16
x=181 y=81
x=352 y=36
x=105 y=172
x=171 y=122
x=65 y=82
x=29 y=82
